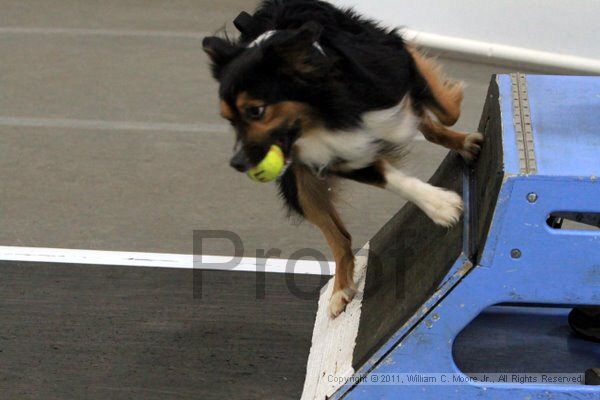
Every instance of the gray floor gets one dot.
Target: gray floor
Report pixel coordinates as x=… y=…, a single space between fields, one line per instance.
x=85 y=163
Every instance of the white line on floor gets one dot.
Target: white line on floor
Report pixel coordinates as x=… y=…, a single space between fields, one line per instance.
x=163 y=260
x=497 y=53
x=112 y=125
x=198 y=127
x=102 y=32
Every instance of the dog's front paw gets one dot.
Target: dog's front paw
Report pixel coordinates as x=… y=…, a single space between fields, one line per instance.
x=471 y=146
x=443 y=207
x=339 y=300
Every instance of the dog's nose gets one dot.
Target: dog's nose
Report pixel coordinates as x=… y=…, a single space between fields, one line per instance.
x=239 y=162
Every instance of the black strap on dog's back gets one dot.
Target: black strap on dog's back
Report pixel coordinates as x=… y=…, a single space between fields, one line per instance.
x=247 y=26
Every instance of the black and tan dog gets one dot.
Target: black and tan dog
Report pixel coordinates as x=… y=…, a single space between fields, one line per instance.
x=342 y=97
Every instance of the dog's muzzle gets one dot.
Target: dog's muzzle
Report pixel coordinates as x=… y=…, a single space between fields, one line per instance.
x=239 y=161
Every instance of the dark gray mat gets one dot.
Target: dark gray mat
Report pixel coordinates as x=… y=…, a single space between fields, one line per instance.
x=99 y=332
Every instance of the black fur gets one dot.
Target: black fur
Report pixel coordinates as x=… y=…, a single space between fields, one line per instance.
x=289 y=191
x=371 y=175
x=365 y=67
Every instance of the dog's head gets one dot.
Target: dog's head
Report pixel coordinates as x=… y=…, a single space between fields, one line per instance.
x=268 y=88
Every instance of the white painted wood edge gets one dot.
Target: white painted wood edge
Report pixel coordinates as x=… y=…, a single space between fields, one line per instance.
x=164 y=260
x=501 y=54
x=333 y=341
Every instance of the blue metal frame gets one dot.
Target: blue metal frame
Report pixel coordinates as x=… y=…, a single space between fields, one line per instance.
x=554 y=267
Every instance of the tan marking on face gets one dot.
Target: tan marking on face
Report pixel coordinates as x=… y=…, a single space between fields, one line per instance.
x=275 y=115
x=226 y=111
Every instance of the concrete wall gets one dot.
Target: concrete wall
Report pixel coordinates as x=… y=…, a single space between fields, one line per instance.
x=558 y=26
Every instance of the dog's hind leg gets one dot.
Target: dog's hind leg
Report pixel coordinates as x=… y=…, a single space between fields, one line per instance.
x=440 y=95
x=315 y=200
x=436 y=101
x=467 y=145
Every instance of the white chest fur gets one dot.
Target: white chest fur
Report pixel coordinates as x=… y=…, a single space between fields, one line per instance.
x=358 y=148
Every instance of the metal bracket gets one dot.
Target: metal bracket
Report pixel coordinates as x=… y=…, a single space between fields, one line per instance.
x=522 y=121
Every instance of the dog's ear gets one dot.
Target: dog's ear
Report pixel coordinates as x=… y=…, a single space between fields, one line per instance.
x=220 y=51
x=296 y=50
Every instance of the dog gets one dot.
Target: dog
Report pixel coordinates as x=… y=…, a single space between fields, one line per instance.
x=342 y=97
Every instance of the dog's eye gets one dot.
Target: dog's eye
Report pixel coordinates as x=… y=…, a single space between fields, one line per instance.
x=255 y=112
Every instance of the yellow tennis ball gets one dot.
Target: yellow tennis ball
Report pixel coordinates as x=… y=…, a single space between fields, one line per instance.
x=270 y=167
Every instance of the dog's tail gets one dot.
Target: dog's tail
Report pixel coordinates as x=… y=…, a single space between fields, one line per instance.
x=433 y=91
